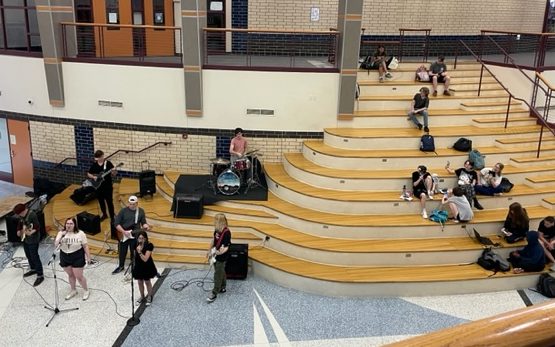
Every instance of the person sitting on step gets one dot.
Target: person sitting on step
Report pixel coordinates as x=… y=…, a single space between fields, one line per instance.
x=546 y=231
x=419 y=105
x=516 y=224
x=531 y=258
x=438 y=73
x=379 y=61
x=459 y=207
x=466 y=180
x=422 y=187
x=489 y=180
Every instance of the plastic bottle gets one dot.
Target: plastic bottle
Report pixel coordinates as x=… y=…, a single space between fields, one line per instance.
x=404 y=192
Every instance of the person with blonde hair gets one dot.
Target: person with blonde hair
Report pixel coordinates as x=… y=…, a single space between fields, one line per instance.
x=218 y=253
x=74 y=255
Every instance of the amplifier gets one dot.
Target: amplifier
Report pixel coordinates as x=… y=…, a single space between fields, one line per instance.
x=237 y=264
x=188 y=205
x=147 y=182
x=88 y=222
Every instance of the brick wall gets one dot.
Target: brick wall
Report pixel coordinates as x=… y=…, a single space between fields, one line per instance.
x=385 y=18
x=52 y=142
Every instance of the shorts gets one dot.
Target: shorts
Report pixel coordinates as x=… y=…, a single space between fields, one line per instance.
x=440 y=79
x=75 y=259
x=418 y=192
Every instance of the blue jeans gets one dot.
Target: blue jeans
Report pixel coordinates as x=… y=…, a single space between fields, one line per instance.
x=32 y=254
x=424 y=114
x=487 y=190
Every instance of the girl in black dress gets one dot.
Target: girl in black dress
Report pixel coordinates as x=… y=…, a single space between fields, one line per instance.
x=144 y=269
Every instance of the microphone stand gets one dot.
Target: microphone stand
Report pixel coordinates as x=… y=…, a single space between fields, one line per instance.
x=55 y=310
x=133 y=321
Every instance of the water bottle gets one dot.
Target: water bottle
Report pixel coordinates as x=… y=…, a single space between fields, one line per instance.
x=404 y=192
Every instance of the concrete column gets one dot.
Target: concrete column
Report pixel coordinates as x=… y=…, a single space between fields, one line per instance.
x=348 y=24
x=50 y=13
x=193 y=18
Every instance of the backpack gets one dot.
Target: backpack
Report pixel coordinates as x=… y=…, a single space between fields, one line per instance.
x=490 y=260
x=422 y=74
x=439 y=216
x=427 y=143
x=478 y=159
x=463 y=145
x=505 y=185
x=366 y=63
x=546 y=285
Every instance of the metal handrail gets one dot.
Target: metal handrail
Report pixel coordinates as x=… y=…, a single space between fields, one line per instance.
x=126 y=151
x=511 y=96
x=133 y=26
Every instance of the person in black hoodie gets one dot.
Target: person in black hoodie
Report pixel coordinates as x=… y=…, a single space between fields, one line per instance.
x=531 y=258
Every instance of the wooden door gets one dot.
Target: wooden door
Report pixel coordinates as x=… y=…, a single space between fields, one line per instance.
x=20 y=147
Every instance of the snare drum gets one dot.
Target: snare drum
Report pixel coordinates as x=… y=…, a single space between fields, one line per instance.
x=242 y=164
x=217 y=169
x=228 y=182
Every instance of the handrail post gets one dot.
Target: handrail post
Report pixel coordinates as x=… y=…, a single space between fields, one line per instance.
x=481 y=75
x=508 y=110
x=540 y=142
x=401 y=44
x=456 y=57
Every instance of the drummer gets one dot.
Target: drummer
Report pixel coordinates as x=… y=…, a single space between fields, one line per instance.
x=238 y=146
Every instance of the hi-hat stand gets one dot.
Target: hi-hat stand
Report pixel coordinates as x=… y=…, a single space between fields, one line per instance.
x=254 y=179
x=55 y=310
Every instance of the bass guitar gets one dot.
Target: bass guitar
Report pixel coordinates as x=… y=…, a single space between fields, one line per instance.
x=100 y=178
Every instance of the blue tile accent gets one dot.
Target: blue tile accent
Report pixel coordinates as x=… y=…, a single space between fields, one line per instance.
x=239 y=20
x=222 y=147
x=84 y=145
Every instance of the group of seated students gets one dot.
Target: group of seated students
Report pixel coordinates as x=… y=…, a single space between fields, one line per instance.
x=459 y=201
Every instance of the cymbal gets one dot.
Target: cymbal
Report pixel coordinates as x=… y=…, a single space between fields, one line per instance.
x=252 y=152
x=219 y=161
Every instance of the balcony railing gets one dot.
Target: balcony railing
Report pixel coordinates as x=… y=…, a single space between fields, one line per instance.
x=122 y=44
x=271 y=50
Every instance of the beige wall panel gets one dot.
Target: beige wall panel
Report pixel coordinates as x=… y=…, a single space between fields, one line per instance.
x=444 y=17
x=52 y=142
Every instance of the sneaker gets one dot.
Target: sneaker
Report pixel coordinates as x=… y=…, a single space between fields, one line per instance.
x=447 y=93
x=117 y=270
x=139 y=301
x=434 y=93
x=29 y=273
x=223 y=290
x=38 y=281
x=419 y=126
x=381 y=79
x=426 y=129
x=478 y=205
x=86 y=294
x=211 y=298
x=149 y=300
x=71 y=294
x=388 y=75
x=424 y=214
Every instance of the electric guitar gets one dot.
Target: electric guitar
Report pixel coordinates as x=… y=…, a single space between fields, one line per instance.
x=26 y=228
x=100 y=178
x=212 y=256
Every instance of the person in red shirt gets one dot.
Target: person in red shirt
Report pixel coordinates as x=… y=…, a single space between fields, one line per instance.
x=238 y=146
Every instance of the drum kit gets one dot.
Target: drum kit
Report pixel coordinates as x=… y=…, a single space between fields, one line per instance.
x=228 y=178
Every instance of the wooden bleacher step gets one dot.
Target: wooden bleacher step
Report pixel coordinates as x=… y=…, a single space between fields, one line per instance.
x=546 y=159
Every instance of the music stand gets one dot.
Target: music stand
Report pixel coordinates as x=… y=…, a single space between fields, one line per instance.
x=55 y=310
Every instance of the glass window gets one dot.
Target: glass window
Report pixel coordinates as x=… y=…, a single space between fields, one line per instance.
x=112 y=11
x=158 y=6
x=18 y=26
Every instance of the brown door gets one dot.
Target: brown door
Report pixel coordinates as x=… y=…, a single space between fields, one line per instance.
x=20 y=147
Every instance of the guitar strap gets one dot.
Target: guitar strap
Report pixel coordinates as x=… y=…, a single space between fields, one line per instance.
x=221 y=238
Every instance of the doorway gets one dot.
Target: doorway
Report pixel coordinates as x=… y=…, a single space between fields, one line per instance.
x=5 y=154
x=215 y=18
x=85 y=35
x=138 y=18
x=21 y=152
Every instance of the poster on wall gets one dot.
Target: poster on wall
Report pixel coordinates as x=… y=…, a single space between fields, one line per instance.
x=314 y=14
x=216 y=6
x=112 y=18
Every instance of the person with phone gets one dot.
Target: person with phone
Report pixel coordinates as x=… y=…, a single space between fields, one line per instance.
x=422 y=185
x=144 y=270
x=74 y=255
x=438 y=74
x=516 y=224
x=458 y=205
x=467 y=179
x=489 y=180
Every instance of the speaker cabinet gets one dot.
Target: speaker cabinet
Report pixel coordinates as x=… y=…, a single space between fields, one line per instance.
x=188 y=205
x=88 y=222
x=237 y=264
x=147 y=182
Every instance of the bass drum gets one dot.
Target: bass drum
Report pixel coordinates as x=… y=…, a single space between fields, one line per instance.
x=228 y=182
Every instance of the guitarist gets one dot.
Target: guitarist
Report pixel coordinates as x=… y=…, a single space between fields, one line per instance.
x=104 y=193
x=29 y=226
x=129 y=222
x=219 y=248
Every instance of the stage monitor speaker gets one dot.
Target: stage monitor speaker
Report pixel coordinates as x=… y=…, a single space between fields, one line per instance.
x=188 y=205
x=147 y=182
x=88 y=222
x=237 y=264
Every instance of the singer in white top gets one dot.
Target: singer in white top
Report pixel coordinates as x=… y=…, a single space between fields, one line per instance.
x=74 y=254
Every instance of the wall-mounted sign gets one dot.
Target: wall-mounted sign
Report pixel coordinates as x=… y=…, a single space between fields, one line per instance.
x=112 y=18
x=216 y=6
x=314 y=14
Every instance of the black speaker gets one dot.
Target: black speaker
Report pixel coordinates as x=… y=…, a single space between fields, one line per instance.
x=188 y=205
x=88 y=222
x=83 y=195
x=237 y=264
x=147 y=182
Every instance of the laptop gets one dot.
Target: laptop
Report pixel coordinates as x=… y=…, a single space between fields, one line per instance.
x=486 y=241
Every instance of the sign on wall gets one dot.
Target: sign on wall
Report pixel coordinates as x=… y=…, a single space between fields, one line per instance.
x=314 y=14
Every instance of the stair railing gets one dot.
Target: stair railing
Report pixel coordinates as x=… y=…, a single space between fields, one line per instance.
x=532 y=109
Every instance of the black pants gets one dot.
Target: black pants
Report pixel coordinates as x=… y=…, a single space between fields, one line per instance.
x=123 y=246
x=105 y=198
x=32 y=254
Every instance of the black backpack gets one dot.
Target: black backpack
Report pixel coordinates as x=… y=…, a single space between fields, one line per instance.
x=490 y=260
x=546 y=285
x=463 y=145
x=366 y=63
x=505 y=185
x=427 y=143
